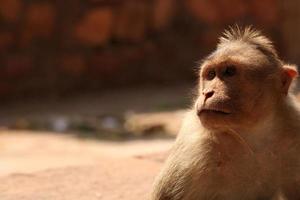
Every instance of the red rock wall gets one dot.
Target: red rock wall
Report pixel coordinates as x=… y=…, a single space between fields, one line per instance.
x=57 y=46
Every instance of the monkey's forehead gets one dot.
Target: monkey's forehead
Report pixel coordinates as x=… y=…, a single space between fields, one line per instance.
x=239 y=53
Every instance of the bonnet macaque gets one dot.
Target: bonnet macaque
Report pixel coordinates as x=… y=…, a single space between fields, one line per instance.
x=241 y=139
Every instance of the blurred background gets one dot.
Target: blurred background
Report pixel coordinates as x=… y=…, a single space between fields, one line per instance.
x=114 y=70
x=55 y=52
x=52 y=47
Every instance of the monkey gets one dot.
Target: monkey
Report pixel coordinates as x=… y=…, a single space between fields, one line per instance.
x=241 y=138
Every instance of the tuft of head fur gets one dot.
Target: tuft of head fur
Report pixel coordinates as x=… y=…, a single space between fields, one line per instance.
x=248 y=35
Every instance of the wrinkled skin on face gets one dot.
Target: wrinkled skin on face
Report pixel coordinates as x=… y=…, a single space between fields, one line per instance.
x=230 y=92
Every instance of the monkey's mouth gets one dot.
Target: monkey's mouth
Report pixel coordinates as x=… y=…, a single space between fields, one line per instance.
x=213 y=111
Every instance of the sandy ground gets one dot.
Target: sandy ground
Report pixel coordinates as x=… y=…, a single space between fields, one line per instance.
x=52 y=166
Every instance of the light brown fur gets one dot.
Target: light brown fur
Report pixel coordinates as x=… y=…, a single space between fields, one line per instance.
x=241 y=140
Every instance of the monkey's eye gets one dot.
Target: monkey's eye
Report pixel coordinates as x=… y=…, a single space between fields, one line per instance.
x=229 y=71
x=210 y=75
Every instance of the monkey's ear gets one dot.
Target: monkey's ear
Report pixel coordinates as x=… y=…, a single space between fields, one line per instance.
x=289 y=73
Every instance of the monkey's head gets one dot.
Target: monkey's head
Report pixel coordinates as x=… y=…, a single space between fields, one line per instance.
x=242 y=82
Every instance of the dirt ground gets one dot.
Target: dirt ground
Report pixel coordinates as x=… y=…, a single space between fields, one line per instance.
x=50 y=166
x=41 y=165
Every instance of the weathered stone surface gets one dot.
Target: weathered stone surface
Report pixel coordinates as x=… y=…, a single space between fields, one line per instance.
x=290 y=31
x=266 y=12
x=73 y=64
x=95 y=27
x=39 y=22
x=17 y=66
x=152 y=123
x=218 y=11
x=163 y=12
x=180 y=32
x=10 y=9
x=6 y=40
x=5 y=88
x=132 y=20
x=104 y=63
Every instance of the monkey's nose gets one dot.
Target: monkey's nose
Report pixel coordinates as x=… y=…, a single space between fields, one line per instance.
x=208 y=94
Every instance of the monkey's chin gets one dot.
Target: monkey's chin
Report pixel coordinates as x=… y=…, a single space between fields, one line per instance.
x=215 y=120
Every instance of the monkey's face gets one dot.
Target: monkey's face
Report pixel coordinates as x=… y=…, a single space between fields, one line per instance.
x=235 y=91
